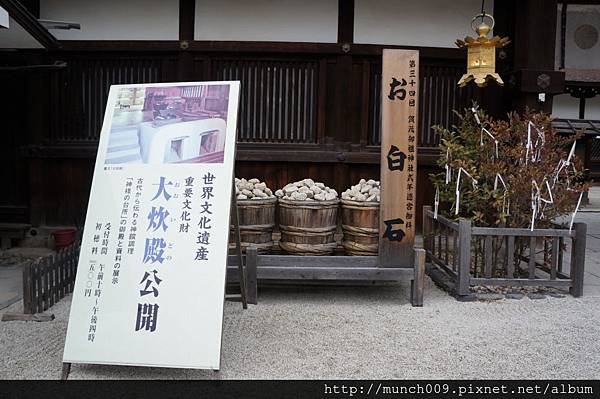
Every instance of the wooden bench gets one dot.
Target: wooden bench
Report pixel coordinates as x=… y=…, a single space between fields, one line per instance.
x=8 y=231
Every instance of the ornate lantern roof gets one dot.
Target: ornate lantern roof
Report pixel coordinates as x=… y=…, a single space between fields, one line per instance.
x=481 y=53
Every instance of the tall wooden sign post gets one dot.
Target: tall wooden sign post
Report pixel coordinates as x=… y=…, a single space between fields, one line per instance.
x=399 y=114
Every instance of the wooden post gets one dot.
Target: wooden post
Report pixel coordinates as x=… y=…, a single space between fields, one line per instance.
x=426 y=227
x=531 y=265
x=251 y=270
x=27 y=290
x=66 y=370
x=418 y=282
x=578 y=259
x=464 y=265
x=399 y=116
x=238 y=247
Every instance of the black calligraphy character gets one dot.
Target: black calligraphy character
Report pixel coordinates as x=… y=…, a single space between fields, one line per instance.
x=146 y=317
x=397 y=93
x=395 y=164
x=207 y=193
x=204 y=223
x=393 y=235
x=208 y=178
x=206 y=208
x=203 y=238
x=201 y=254
x=148 y=281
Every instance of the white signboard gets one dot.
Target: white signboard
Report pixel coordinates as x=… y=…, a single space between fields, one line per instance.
x=151 y=276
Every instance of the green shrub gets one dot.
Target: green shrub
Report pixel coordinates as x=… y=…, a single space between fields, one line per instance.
x=487 y=202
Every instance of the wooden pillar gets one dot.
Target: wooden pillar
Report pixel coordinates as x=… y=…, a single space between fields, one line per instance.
x=185 y=61
x=343 y=76
x=534 y=48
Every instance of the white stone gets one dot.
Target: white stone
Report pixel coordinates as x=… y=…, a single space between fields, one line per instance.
x=279 y=193
x=316 y=189
x=298 y=196
x=365 y=188
x=374 y=191
x=308 y=182
x=242 y=196
x=268 y=192
x=320 y=185
x=320 y=197
x=361 y=197
x=330 y=196
x=254 y=181
x=247 y=193
x=290 y=190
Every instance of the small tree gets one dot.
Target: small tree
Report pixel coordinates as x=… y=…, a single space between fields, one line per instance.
x=517 y=171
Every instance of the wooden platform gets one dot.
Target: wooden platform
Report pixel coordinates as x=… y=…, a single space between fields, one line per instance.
x=327 y=268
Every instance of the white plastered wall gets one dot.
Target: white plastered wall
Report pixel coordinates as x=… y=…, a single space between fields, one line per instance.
x=115 y=19
x=576 y=57
x=567 y=107
x=267 y=20
x=429 y=23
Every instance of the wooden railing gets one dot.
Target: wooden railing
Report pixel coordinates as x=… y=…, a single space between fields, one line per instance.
x=504 y=256
x=49 y=279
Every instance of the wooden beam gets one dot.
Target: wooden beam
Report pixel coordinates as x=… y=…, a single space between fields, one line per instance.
x=345 y=21
x=249 y=152
x=41 y=317
x=33 y=6
x=30 y=23
x=442 y=54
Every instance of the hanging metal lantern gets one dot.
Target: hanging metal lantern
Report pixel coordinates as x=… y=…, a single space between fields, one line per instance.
x=481 y=53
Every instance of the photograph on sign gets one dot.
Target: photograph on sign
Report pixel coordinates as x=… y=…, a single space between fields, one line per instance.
x=151 y=274
x=175 y=124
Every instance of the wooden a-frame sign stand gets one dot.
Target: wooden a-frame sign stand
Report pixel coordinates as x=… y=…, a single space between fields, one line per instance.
x=397 y=258
x=243 y=274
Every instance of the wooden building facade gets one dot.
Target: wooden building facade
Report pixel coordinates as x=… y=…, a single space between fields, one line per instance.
x=307 y=109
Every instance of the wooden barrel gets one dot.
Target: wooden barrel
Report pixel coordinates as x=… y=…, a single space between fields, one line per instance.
x=360 y=225
x=257 y=220
x=308 y=227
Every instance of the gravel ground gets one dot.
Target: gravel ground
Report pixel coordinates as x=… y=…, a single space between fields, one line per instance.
x=356 y=332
